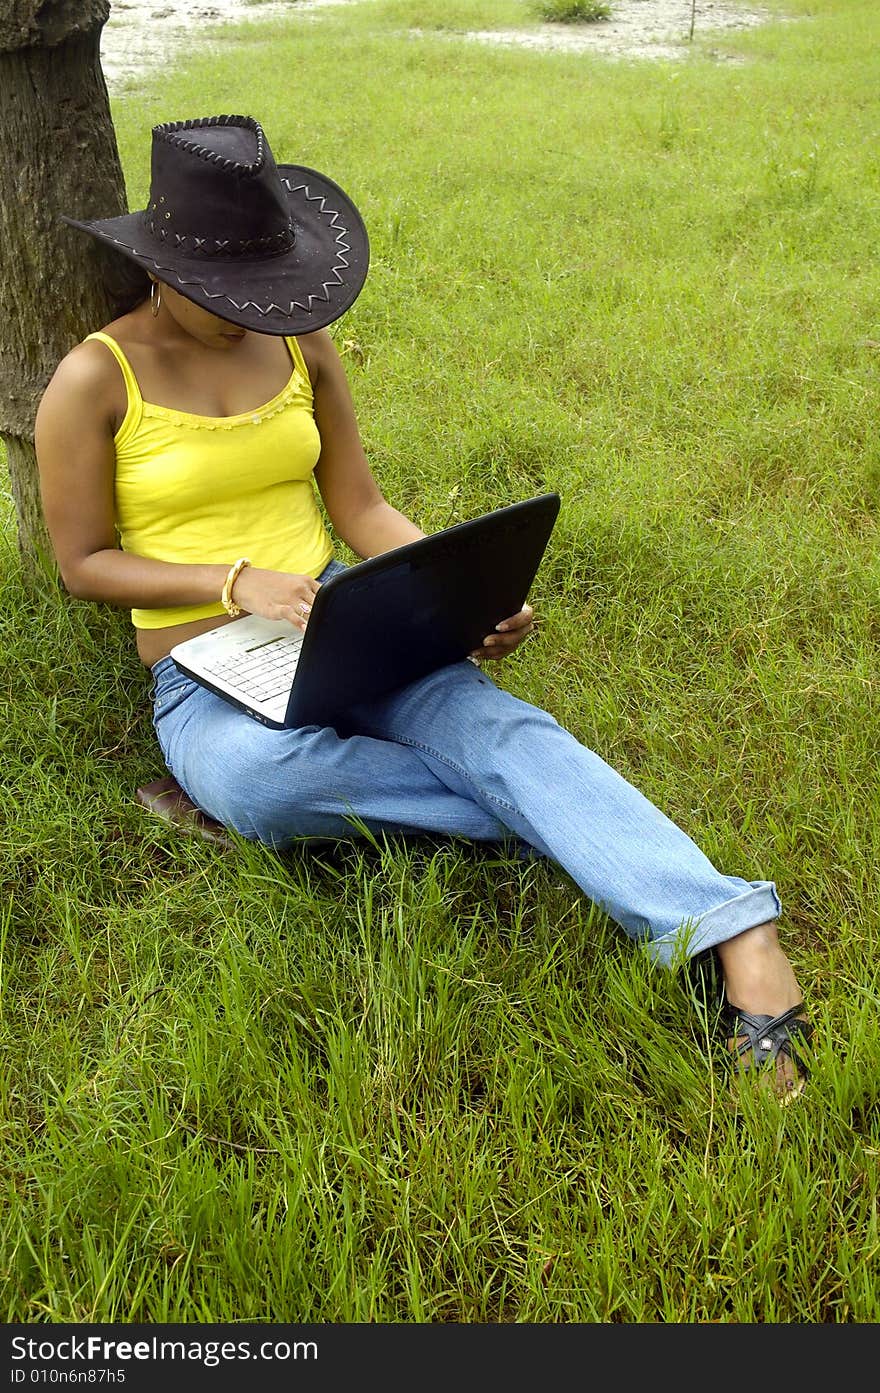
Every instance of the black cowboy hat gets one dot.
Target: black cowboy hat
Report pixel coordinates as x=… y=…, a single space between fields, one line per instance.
x=279 y=249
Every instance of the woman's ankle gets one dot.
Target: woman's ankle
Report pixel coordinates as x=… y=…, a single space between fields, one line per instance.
x=758 y=976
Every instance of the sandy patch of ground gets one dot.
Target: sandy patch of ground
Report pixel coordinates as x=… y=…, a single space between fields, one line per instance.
x=144 y=34
x=636 y=29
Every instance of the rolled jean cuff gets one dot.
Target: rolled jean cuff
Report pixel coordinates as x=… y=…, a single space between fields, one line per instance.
x=760 y=905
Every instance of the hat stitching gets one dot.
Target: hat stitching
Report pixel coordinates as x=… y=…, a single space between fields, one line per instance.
x=282 y=241
x=168 y=134
x=261 y=309
x=252 y=304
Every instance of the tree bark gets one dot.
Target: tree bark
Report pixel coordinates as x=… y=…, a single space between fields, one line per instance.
x=59 y=156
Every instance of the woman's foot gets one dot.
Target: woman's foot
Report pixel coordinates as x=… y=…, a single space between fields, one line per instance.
x=764 y=1010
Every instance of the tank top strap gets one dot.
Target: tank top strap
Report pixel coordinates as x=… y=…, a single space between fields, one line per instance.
x=134 y=400
x=297 y=358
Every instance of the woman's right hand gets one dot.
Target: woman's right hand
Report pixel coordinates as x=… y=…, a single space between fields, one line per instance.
x=275 y=595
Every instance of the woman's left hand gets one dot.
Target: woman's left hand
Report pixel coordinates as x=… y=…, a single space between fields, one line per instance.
x=508 y=635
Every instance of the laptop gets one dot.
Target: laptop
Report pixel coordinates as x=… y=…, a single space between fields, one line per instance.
x=380 y=624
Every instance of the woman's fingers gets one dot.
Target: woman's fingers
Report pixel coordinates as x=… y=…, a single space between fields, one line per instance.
x=276 y=595
x=300 y=606
x=304 y=604
x=507 y=636
x=518 y=623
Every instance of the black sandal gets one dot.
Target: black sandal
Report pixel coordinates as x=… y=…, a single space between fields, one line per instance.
x=766 y=1037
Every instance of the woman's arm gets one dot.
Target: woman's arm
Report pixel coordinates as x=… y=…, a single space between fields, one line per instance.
x=75 y=424
x=360 y=514
x=357 y=509
x=76 y=421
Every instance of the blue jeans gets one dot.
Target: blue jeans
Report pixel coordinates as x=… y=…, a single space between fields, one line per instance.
x=454 y=754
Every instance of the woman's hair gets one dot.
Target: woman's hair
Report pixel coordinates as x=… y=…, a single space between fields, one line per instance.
x=126 y=283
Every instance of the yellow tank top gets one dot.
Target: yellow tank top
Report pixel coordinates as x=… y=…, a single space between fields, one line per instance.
x=208 y=489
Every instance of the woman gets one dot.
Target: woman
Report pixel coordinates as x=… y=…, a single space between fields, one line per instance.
x=178 y=452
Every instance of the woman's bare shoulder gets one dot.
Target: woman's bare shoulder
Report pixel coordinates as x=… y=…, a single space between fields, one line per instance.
x=87 y=375
x=318 y=350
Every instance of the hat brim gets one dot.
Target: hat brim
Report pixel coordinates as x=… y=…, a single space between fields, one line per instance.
x=295 y=292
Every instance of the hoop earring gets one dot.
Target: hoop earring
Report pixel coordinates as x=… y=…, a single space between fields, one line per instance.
x=155 y=298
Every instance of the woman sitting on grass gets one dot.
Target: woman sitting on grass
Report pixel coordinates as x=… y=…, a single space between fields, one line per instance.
x=192 y=430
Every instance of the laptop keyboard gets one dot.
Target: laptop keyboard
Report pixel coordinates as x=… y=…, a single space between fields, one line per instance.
x=262 y=672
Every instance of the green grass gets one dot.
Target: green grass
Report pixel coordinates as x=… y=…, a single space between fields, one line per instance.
x=420 y=1082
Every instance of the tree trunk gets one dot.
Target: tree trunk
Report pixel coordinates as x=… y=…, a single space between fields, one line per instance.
x=60 y=156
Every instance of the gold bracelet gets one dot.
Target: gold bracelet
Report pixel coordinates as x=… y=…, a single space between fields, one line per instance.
x=232 y=575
